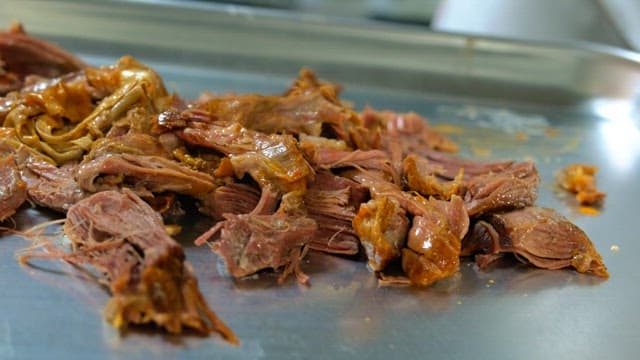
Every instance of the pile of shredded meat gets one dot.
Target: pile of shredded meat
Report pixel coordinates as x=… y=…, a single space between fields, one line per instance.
x=277 y=175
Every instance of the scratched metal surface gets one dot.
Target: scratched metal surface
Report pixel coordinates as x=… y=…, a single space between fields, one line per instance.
x=498 y=99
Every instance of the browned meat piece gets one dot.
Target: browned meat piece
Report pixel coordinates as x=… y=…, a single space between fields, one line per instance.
x=130 y=142
x=428 y=178
x=145 y=174
x=434 y=241
x=332 y=202
x=382 y=226
x=13 y=191
x=122 y=237
x=409 y=131
x=536 y=235
x=302 y=114
x=580 y=180
x=22 y=55
x=302 y=110
x=271 y=160
x=43 y=183
x=341 y=121
x=275 y=162
x=373 y=160
x=512 y=188
x=250 y=243
x=449 y=166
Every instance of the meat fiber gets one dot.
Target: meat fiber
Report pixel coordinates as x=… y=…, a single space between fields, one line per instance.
x=449 y=166
x=539 y=236
x=22 y=55
x=121 y=236
x=13 y=191
x=250 y=243
x=512 y=188
x=332 y=202
x=51 y=186
x=412 y=129
x=233 y=198
x=144 y=173
x=372 y=160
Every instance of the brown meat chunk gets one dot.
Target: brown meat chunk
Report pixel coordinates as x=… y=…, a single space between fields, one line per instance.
x=150 y=282
x=232 y=198
x=250 y=243
x=382 y=226
x=13 y=190
x=539 y=236
x=51 y=186
x=512 y=188
x=408 y=130
x=434 y=242
x=332 y=202
x=270 y=159
x=144 y=173
x=22 y=55
x=428 y=178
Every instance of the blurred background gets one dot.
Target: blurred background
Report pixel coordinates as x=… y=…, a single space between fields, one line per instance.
x=607 y=22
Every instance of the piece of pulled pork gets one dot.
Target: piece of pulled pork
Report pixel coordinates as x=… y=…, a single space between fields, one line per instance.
x=122 y=237
x=22 y=56
x=512 y=188
x=434 y=241
x=382 y=226
x=13 y=191
x=332 y=201
x=539 y=236
x=250 y=243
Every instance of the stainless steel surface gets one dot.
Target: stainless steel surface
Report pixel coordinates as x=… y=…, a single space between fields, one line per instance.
x=497 y=95
x=546 y=20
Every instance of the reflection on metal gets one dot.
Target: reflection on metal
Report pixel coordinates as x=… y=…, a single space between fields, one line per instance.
x=620 y=133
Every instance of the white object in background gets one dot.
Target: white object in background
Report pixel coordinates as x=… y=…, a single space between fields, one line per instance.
x=626 y=16
x=543 y=20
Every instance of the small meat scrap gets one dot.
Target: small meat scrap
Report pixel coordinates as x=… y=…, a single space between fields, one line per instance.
x=382 y=226
x=410 y=131
x=144 y=173
x=428 y=178
x=434 y=241
x=580 y=179
x=540 y=236
x=13 y=191
x=250 y=243
x=121 y=236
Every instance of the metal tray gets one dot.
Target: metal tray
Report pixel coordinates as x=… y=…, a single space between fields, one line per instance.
x=555 y=104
